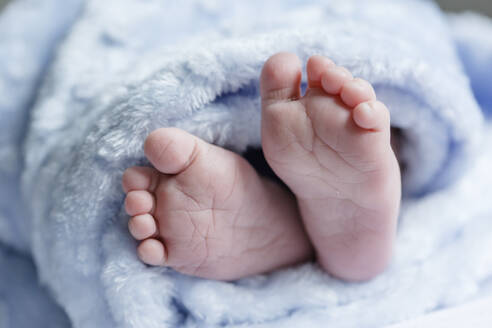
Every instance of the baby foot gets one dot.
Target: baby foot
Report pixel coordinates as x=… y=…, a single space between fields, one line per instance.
x=204 y=211
x=332 y=148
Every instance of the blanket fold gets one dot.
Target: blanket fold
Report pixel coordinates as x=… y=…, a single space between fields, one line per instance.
x=195 y=66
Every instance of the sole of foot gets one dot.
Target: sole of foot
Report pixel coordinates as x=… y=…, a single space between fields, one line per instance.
x=204 y=211
x=332 y=148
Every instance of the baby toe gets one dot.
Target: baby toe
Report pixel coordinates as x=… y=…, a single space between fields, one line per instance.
x=315 y=68
x=139 y=202
x=152 y=252
x=333 y=79
x=372 y=115
x=140 y=178
x=356 y=91
x=142 y=226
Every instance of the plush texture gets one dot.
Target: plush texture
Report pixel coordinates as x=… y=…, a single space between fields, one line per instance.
x=474 y=46
x=116 y=76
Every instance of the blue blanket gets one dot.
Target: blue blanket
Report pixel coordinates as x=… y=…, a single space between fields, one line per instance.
x=79 y=91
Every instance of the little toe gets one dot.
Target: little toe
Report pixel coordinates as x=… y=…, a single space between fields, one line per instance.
x=142 y=226
x=356 y=91
x=333 y=79
x=280 y=78
x=140 y=178
x=372 y=115
x=315 y=68
x=152 y=252
x=139 y=202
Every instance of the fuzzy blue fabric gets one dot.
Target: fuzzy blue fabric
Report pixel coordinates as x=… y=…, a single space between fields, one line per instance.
x=83 y=83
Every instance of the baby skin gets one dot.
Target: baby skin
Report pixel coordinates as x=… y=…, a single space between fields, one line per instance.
x=204 y=211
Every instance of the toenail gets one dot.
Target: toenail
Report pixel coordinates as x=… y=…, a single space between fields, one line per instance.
x=359 y=83
x=343 y=72
x=366 y=108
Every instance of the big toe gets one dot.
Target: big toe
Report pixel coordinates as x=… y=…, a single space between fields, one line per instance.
x=281 y=78
x=171 y=150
